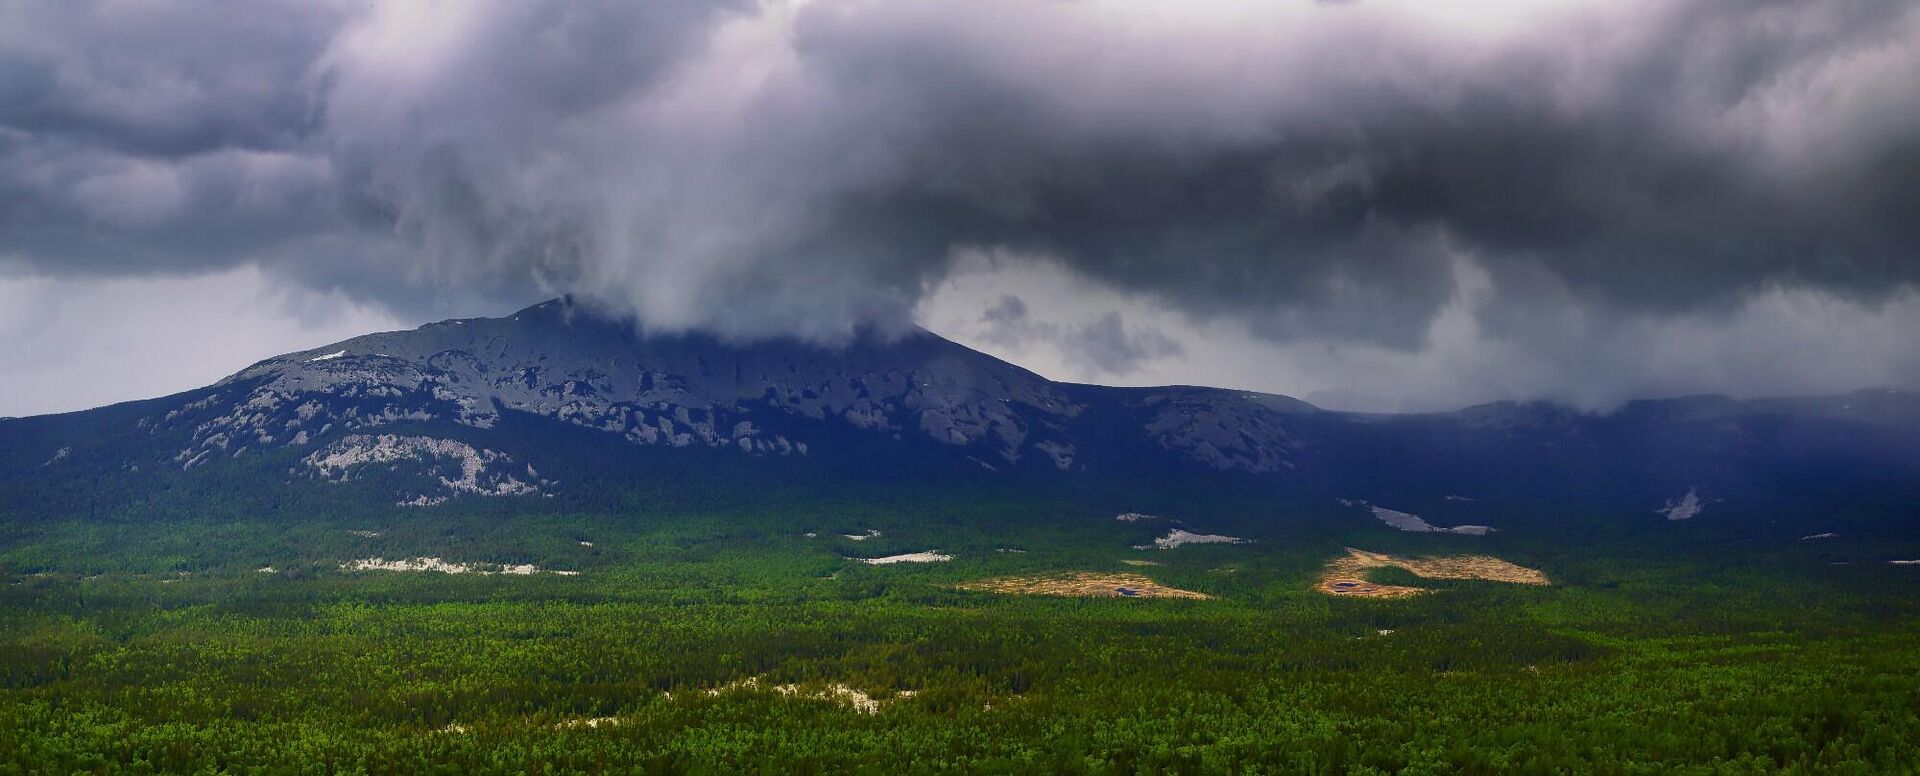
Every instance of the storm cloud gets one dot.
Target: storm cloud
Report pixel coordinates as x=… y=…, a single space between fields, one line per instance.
x=1315 y=175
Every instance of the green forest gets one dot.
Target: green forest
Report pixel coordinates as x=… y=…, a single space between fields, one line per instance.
x=723 y=641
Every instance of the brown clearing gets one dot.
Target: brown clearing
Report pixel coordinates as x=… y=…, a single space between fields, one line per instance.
x=1347 y=576
x=1083 y=583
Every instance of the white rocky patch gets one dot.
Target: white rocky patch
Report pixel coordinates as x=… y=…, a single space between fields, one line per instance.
x=1178 y=537
x=267 y=570
x=1133 y=517
x=862 y=537
x=447 y=567
x=1687 y=507
x=337 y=462
x=58 y=456
x=327 y=357
x=589 y=722
x=193 y=461
x=1408 y=521
x=929 y=556
x=1904 y=562
x=836 y=692
x=1827 y=535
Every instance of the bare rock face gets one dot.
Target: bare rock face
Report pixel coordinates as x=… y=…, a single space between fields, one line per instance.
x=457 y=466
x=568 y=363
x=564 y=362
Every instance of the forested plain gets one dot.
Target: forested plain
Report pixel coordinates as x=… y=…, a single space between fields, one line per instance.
x=720 y=640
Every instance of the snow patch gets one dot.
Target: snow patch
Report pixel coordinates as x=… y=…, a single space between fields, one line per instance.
x=327 y=357
x=1827 y=535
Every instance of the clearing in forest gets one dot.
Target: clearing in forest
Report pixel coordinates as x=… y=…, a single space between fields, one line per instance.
x=1347 y=576
x=1083 y=583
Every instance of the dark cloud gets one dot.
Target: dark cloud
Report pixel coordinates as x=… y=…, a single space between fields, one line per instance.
x=1006 y=323
x=1318 y=172
x=1104 y=346
x=1109 y=346
x=163 y=79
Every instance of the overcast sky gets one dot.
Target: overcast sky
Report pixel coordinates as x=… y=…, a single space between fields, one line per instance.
x=1370 y=205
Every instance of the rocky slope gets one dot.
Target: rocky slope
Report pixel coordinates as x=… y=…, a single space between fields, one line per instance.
x=430 y=407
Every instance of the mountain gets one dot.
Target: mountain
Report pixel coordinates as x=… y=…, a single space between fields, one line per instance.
x=560 y=402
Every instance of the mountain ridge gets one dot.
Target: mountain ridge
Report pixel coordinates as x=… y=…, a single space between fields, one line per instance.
x=421 y=412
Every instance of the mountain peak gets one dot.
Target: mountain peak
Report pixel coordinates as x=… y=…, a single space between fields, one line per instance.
x=567 y=361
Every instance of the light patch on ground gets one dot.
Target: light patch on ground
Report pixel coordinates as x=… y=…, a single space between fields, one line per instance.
x=267 y=570
x=1688 y=506
x=929 y=556
x=327 y=357
x=1142 y=562
x=1178 y=537
x=1347 y=576
x=367 y=534
x=339 y=461
x=1134 y=517
x=861 y=537
x=1904 y=562
x=1827 y=535
x=588 y=722
x=448 y=567
x=1408 y=521
x=1082 y=584
x=835 y=692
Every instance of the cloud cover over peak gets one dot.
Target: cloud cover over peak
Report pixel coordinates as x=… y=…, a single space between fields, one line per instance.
x=1311 y=174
